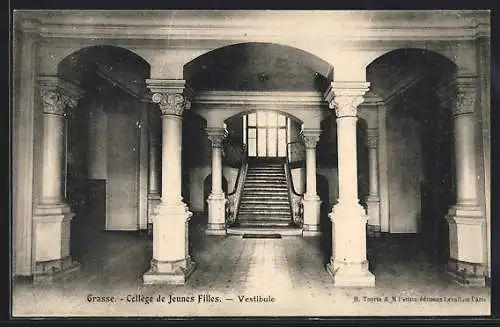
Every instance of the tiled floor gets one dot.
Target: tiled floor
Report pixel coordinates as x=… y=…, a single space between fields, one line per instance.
x=291 y=270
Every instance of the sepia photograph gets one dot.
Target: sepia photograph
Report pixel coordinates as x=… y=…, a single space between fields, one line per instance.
x=250 y=163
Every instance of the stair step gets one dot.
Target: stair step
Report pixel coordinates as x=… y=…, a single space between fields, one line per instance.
x=266 y=178
x=270 y=174
x=265 y=206
x=261 y=218
x=265 y=193
x=264 y=224
x=266 y=170
x=263 y=200
x=284 y=213
x=264 y=185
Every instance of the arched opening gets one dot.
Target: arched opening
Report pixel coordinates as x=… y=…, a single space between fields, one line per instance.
x=419 y=141
x=257 y=66
x=106 y=144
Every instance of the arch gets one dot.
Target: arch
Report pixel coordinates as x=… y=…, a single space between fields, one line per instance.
x=257 y=66
x=245 y=112
x=79 y=64
x=83 y=52
x=443 y=55
x=402 y=69
x=314 y=62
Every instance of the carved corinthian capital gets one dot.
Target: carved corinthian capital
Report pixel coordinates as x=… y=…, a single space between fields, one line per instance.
x=216 y=136
x=459 y=95
x=58 y=95
x=310 y=138
x=345 y=97
x=464 y=101
x=216 y=140
x=54 y=102
x=347 y=105
x=171 y=103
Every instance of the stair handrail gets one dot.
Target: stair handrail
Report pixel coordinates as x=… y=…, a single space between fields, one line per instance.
x=233 y=203
x=295 y=198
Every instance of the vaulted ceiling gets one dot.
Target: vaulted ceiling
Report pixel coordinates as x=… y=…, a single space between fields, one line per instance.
x=258 y=67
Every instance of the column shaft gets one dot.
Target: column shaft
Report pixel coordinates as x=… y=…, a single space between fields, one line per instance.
x=465 y=149
x=347 y=160
x=154 y=164
x=311 y=171
x=171 y=153
x=373 y=166
x=216 y=170
x=53 y=145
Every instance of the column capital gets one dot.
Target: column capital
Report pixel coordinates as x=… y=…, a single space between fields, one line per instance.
x=458 y=94
x=345 y=97
x=372 y=138
x=216 y=136
x=310 y=137
x=58 y=94
x=172 y=96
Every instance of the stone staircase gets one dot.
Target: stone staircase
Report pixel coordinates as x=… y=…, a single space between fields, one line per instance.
x=264 y=202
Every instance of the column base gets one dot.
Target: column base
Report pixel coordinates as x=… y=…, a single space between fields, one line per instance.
x=466 y=273
x=351 y=274
x=348 y=265
x=311 y=230
x=373 y=210
x=467 y=237
x=216 y=214
x=153 y=201
x=169 y=272
x=373 y=231
x=311 y=216
x=48 y=272
x=52 y=233
x=216 y=229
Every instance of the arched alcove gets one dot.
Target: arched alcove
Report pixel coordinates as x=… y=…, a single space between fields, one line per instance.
x=420 y=162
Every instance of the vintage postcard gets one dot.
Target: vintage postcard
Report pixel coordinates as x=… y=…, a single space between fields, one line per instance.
x=210 y=163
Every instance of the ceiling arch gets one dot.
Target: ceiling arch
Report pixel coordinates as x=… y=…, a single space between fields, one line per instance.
x=258 y=66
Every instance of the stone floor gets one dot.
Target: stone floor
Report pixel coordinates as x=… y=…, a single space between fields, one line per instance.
x=291 y=270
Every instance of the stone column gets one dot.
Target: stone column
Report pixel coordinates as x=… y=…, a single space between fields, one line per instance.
x=466 y=220
x=171 y=263
x=373 y=200
x=217 y=199
x=52 y=218
x=348 y=265
x=311 y=200
x=154 y=180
